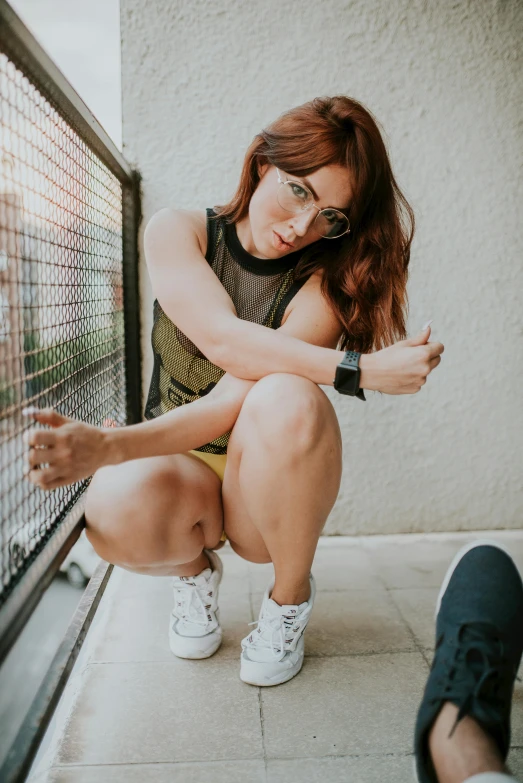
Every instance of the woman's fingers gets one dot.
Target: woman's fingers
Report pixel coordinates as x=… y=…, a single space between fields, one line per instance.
x=46 y=478
x=46 y=416
x=40 y=437
x=435 y=349
x=45 y=449
x=39 y=457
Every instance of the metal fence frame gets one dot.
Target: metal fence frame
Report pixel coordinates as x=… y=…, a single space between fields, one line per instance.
x=28 y=56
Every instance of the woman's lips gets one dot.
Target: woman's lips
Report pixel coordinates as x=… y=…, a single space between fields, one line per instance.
x=280 y=243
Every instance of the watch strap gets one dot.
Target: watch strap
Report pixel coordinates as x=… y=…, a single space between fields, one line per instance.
x=351 y=359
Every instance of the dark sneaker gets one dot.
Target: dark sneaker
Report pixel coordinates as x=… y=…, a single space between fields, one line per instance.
x=479 y=641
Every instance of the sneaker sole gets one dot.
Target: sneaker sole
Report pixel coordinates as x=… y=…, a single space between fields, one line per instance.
x=181 y=650
x=266 y=682
x=452 y=567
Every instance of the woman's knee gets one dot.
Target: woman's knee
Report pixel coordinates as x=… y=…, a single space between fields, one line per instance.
x=121 y=492
x=128 y=512
x=291 y=408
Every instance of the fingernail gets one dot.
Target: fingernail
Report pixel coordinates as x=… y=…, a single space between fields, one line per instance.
x=29 y=411
x=427 y=325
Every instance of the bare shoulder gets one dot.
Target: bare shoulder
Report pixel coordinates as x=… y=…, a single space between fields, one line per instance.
x=310 y=317
x=309 y=292
x=169 y=224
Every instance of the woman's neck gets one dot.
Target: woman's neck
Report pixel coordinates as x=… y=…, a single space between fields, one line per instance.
x=244 y=233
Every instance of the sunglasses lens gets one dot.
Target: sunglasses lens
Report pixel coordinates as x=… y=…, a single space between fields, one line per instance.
x=331 y=224
x=293 y=197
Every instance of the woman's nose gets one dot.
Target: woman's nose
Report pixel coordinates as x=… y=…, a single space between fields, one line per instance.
x=302 y=222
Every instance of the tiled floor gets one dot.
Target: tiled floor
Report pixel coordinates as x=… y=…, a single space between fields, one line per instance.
x=132 y=712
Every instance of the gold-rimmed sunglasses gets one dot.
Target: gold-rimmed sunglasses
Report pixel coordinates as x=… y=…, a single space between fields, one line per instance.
x=294 y=197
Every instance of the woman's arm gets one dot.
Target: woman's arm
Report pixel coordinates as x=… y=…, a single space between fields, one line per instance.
x=310 y=321
x=76 y=450
x=184 y=428
x=194 y=299
x=73 y=450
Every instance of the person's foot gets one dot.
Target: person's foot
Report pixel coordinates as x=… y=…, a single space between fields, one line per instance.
x=273 y=652
x=479 y=642
x=194 y=627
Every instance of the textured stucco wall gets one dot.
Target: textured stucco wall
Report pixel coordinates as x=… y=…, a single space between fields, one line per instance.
x=445 y=81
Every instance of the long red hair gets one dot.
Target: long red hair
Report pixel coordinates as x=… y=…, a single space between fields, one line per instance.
x=365 y=272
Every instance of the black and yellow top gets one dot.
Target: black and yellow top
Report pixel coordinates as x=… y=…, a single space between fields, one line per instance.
x=260 y=288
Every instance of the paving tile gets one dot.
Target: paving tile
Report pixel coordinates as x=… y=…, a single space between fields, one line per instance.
x=133 y=585
x=235 y=568
x=260 y=574
x=209 y=772
x=417 y=607
x=345 y=706
x=423 y=562
x=235 y=577
x=515 y=549
x=515 y=762
x=344 y=567
x=517 y=711
x=355 y=622
x=136 y=625
x=162 y=712
x=362 y=769
x=419 y=564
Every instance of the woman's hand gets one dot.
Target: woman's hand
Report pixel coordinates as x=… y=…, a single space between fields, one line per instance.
x=401 y=368
x=69 y=452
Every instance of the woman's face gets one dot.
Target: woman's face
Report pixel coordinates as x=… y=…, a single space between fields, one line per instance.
x=269 y=231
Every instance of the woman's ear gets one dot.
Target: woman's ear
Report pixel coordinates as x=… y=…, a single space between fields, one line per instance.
x=262 y=167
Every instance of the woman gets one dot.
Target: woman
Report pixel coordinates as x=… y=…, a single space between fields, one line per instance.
x=252 y=301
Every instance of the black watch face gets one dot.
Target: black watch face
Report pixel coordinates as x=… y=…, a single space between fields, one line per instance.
x=348 y=380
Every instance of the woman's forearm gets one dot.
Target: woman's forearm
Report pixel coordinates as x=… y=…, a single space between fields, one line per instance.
x=182 y=429
x=252 y=351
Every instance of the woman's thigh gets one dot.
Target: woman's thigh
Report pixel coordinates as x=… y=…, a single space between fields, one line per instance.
x=243 y=536
x=142 y=512
x=286 y=412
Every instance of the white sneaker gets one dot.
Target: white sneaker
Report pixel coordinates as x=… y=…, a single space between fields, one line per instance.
x=194 y=627
x=273 y=652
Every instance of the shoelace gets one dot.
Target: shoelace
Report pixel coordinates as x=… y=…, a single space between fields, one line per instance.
x=191 y=605
x=280 y=626
x=478 y=664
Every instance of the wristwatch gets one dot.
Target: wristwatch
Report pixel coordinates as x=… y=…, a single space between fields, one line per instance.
x=347 y=378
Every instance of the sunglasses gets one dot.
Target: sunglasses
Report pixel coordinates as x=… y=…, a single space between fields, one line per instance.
x=294 y=197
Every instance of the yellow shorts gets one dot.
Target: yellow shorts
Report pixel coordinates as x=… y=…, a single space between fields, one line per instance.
x=217 y=463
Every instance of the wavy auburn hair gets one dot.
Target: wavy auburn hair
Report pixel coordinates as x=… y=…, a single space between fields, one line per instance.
x=365 y=272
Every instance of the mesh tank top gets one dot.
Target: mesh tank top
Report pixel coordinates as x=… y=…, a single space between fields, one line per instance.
x=260 y=288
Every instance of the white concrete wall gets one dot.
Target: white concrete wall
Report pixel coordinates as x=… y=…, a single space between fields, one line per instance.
x=200 y=78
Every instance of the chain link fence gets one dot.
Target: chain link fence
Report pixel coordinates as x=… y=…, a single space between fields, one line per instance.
x=69 y=332
x=61 y=300
x=68 y=293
